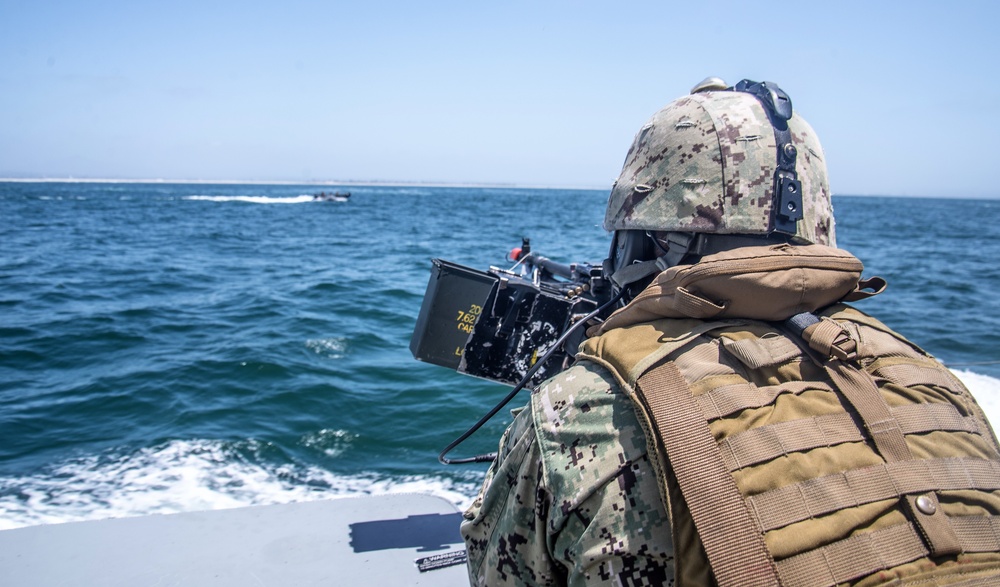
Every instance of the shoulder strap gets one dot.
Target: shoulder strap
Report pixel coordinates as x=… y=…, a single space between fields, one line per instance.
x=838 y=349
x=733 y=542
x=838 y=353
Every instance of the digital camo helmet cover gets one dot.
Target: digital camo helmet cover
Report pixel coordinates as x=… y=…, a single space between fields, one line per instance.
x=706 y=163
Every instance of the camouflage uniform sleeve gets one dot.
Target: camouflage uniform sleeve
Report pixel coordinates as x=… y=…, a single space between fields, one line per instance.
x=504 y=524
x=571 y=499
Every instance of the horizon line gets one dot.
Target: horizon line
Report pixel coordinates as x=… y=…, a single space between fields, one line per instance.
x=401 y=183
x=323 y=182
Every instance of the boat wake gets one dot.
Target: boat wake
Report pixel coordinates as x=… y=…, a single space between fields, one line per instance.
x=194 y=475
x=255 y=199
x=190 y=475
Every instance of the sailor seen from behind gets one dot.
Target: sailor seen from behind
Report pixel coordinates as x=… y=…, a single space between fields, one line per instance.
x=735 y=421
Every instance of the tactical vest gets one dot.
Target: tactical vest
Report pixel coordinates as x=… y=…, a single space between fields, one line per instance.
x=823 y=450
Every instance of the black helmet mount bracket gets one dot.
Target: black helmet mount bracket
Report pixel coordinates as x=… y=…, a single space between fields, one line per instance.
x=787 y=188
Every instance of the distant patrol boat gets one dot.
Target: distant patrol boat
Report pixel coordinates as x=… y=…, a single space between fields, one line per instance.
x=334 y=197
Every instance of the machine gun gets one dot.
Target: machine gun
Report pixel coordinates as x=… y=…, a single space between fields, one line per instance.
x=515 y=326
x=497 y=324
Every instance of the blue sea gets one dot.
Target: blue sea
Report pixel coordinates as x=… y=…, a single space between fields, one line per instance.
x=177 y=347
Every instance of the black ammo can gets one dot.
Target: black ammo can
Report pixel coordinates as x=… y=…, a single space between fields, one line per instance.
x=452 y=305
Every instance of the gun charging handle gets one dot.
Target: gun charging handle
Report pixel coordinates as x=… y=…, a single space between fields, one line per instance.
x=518 y=253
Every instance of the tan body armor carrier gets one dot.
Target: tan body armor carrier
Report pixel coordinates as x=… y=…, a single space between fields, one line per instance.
x=842 y=454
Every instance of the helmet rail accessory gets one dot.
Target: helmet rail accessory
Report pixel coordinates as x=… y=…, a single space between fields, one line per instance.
x=787 y=188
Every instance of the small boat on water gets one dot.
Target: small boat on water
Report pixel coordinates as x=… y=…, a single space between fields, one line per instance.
x=334 y=197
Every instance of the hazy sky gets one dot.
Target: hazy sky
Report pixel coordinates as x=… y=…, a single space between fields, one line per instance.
x=904 y=95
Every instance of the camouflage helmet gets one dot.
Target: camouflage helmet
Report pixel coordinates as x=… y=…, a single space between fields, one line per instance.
x=706 y=163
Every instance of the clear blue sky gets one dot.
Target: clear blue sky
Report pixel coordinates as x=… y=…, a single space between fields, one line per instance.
x=904 y=95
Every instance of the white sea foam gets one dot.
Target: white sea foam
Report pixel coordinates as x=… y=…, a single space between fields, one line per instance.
x=189 y=475
x=332 y=348
x=330 y=442
x=192 y=475
x=986 y=389
x=254 y=199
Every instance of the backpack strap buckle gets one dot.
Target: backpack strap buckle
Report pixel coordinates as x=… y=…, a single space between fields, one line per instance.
x=825 y=336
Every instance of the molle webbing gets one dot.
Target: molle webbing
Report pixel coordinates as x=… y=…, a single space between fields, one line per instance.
x=883 y=549
x=862 y=392
x=729 y=399
x=838 y=563
x=909 y=374
x=724 y=401
x=813 y=498
x=736 y=528
x=767 y=443
x=838 y=350
x=732 y=528
x=719 y=511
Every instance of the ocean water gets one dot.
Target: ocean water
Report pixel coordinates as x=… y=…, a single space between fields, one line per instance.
x=178 y=347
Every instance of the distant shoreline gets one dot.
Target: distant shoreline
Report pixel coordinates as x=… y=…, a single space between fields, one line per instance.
x=316 y=182
x=387 y=183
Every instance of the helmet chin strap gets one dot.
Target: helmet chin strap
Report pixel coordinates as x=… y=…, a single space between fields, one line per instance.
x=672 y=247
x=675 y=246
x=669 y=251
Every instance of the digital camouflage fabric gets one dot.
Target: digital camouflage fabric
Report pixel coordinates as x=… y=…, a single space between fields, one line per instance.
x=706 y=163
x=572 y=498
